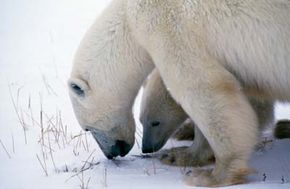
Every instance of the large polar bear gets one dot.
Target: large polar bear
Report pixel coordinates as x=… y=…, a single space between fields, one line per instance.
x=161 y=116
x=206 y=53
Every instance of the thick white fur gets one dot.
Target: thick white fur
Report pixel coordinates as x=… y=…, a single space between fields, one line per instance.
x=158 y=105
x=206 y=52
x=109 y=67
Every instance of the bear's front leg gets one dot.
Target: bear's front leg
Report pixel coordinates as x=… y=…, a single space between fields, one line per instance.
x=198 y=154
x=213 y=99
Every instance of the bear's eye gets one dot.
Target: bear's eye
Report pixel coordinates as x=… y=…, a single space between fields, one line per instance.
x=155 y=123
x=77 y=89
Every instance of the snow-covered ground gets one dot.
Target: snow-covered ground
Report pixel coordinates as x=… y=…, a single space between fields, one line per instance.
x=41 y=143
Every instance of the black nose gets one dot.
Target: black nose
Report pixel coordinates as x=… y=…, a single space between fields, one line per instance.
x=120 y=148
x=147 y=150
x=124 y=148
x=147 y=146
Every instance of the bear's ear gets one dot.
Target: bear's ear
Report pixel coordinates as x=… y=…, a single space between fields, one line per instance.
x=78 y=86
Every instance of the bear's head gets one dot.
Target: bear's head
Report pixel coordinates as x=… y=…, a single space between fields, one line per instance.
x=109 y=68
x=101 y=100
x=97 y=111
x=160 y=115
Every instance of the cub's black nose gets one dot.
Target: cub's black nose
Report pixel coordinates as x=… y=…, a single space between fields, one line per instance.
x=147 y=146
x=146 y=150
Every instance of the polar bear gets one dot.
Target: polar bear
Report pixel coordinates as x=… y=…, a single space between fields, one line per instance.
x=205 y=51
x=161 y=116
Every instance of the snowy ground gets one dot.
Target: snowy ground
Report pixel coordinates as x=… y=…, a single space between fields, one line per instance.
x=41 y=144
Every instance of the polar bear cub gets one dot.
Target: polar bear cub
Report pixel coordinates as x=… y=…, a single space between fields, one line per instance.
x=161 y=116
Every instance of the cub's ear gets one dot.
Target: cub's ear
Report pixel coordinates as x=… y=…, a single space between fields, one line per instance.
x=78 y=87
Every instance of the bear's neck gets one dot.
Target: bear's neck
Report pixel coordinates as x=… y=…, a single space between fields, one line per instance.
x=117 y=64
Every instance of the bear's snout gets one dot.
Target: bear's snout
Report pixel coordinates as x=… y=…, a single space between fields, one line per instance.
x=120 y=148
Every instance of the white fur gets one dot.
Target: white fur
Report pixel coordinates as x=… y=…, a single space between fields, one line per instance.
x=158 y=105
x=205 y=51
x=105 y=54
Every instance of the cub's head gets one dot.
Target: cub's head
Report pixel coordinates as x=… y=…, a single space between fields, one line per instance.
x=160 y=114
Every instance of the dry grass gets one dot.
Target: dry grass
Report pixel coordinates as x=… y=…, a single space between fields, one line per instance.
x=48 y=87
x=13 y=143
x=19 y=111
x=104 y=181
x=5 y=149
x=84 y=184
x=44 y=168
x=54 y=136
x=86 y=166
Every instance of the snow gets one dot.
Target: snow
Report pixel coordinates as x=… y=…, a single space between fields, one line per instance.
x=37 y=44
